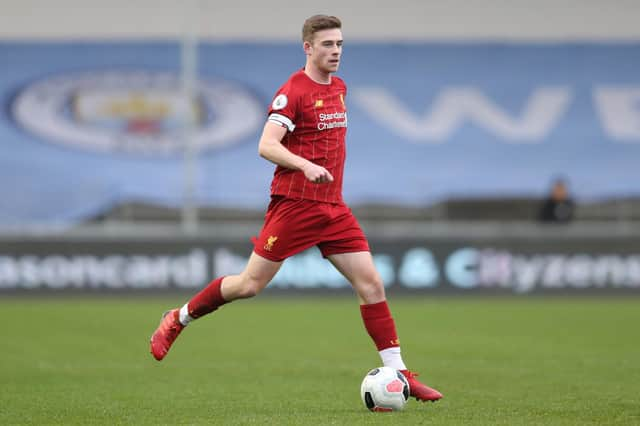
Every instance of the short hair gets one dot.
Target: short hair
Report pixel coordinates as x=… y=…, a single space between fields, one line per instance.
x=318 y=23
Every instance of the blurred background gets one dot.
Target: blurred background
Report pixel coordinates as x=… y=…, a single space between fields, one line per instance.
x=493 y=146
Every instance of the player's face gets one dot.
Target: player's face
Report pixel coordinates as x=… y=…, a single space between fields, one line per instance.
x=325 y=50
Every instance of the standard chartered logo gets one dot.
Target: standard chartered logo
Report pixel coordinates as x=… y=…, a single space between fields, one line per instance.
x=340 y=120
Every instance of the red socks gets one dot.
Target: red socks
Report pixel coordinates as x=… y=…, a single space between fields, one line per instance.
x=376 y=316
x=208 y=300
x=380 y=325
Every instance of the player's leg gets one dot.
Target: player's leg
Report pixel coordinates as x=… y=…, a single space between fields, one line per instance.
x=251 y=281
x=359 y=269
x=279 y=239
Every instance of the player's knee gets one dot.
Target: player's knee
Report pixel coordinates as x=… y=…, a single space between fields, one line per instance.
x=248 y=290
x=372 y=289
x=376 y=291
x=251 y=287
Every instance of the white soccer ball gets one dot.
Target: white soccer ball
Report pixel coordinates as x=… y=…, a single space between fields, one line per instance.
x=384 y=389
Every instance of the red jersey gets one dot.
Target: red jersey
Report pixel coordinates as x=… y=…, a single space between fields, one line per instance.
x=316 y=119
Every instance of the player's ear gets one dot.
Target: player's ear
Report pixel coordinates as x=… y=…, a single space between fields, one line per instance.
x=306 y=46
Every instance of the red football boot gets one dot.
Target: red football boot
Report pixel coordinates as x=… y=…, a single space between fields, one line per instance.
x=420 y=391
x=166 y=333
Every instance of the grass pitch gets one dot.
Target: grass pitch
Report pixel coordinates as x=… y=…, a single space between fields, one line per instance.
x=300 y=361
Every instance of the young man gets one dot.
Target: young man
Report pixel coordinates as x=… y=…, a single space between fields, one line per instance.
x=305 y=137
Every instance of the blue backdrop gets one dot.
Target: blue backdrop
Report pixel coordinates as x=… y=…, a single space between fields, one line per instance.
x=88 y=125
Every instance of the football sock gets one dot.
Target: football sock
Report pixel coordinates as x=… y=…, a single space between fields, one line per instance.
x=391 y=357
x=379 y=324
x=382 y=329
x=184 y=316
x=208 y=300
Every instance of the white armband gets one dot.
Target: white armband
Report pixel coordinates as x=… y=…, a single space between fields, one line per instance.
x=282 y=120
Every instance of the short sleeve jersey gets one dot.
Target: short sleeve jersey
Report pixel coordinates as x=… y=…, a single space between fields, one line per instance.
x=316 y=120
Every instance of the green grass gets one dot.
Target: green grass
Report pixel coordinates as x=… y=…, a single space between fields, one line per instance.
x=511 y=361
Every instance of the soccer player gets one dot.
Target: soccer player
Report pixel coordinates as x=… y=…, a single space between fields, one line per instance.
x=304 y=135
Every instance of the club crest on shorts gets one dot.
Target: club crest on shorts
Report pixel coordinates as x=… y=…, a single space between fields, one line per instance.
x=270 y=242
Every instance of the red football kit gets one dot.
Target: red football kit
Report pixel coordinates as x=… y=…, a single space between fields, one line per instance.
x=302 y=213
x=316 y=119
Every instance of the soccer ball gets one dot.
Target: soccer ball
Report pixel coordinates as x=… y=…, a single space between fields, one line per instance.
x=384 y=389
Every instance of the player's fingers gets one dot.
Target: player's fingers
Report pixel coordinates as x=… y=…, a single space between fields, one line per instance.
x=325 y=178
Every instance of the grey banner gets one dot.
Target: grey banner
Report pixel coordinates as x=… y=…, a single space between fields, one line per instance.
x=436 y=265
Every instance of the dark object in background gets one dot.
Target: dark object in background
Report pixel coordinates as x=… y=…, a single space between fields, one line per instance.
x=558 y=207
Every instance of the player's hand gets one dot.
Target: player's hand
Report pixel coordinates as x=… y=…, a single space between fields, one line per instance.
x=317 y=174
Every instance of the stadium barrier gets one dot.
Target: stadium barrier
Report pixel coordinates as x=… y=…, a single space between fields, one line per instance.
x=413 y=258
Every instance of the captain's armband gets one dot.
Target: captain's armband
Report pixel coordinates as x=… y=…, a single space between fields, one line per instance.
x=282 y=120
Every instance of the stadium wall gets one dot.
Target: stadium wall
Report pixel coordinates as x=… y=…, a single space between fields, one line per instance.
x=257 y=20
x=413 y=260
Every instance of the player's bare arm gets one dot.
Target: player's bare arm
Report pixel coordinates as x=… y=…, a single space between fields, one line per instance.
x=270 y=148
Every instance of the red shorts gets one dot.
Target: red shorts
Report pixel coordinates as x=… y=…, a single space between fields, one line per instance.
x=291 y=226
